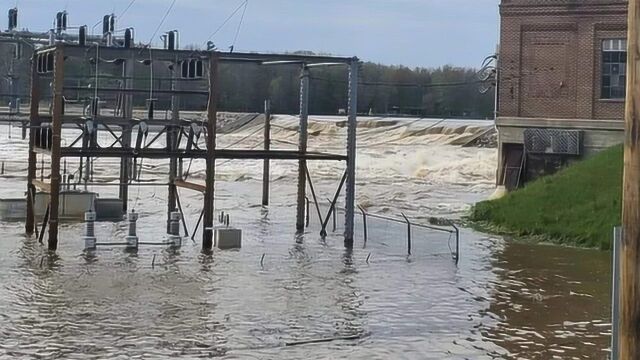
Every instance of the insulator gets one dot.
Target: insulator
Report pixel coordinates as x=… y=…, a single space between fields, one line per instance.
x=82 y=36
x=128 y=38
x=13 y=19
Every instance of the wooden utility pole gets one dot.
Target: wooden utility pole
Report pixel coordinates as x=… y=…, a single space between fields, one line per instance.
x=56 y=128
x=630 y=258
x=212 y=119
x=34 y=121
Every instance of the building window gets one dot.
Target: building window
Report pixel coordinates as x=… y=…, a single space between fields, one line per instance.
x=614 y=68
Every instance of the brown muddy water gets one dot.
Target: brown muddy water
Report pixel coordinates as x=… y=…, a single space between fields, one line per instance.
x=505 y=300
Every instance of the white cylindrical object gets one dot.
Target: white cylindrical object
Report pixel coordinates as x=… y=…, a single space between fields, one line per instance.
x=132 y=239
x=174 y=225
x=90 y=241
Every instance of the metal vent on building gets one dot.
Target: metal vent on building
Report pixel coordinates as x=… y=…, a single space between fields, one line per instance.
x=553 y=141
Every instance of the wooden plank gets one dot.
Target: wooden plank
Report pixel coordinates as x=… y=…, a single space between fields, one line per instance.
x=630 y=257
x=190 y=186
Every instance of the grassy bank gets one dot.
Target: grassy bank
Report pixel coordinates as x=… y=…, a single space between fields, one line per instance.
x=579 y=206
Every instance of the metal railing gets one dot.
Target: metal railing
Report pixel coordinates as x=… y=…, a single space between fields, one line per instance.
x=448 y=226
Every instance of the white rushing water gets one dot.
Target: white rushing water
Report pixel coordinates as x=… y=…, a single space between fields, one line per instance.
x=415 y=165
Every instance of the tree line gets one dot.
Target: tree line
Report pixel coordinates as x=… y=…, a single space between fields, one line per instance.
x=446 y=91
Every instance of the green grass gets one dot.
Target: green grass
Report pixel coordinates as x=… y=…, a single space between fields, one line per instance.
x=578 y=206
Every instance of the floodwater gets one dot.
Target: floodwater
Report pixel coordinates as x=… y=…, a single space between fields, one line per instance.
x=284 y=296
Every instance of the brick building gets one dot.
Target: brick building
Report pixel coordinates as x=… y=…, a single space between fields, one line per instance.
x=561 y=83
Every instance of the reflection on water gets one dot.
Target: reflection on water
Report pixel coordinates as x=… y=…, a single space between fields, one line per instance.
x=551 y=301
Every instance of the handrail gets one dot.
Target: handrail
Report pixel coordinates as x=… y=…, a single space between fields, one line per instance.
x=405 y=220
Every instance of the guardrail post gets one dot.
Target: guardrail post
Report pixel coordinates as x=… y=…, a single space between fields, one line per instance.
x=307 y=217
x=364 y=223
x=457 y=232
x=408 y=233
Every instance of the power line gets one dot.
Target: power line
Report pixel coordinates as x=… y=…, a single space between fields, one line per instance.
x=227 y=20
x=246 y=4
x=164 y=18
x=124 y=12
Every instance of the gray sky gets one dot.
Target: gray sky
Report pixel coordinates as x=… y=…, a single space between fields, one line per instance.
x=408 y=32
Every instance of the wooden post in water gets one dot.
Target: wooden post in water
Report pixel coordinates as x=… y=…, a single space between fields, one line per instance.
x=34 y=120
x=127 y=113
x=212 y=115
x=58 y=99
x=172 y=144
x=630 y=257
x=267 y=146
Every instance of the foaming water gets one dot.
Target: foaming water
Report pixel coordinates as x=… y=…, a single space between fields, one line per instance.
x=281 y=293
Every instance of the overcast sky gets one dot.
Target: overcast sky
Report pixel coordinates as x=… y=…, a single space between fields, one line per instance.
x=409 y=32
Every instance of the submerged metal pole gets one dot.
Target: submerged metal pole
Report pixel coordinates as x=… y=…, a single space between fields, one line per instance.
x=408 y=234
x=615 y=295
x=364 y=223
x=351 y=154
x=267 y=146
x=302 y=147
x=306 y=210
x=332 y=208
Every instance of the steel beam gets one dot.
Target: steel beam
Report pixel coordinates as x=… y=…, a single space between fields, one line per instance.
x=352 y=125
x=302 y=148
x=266 y=171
